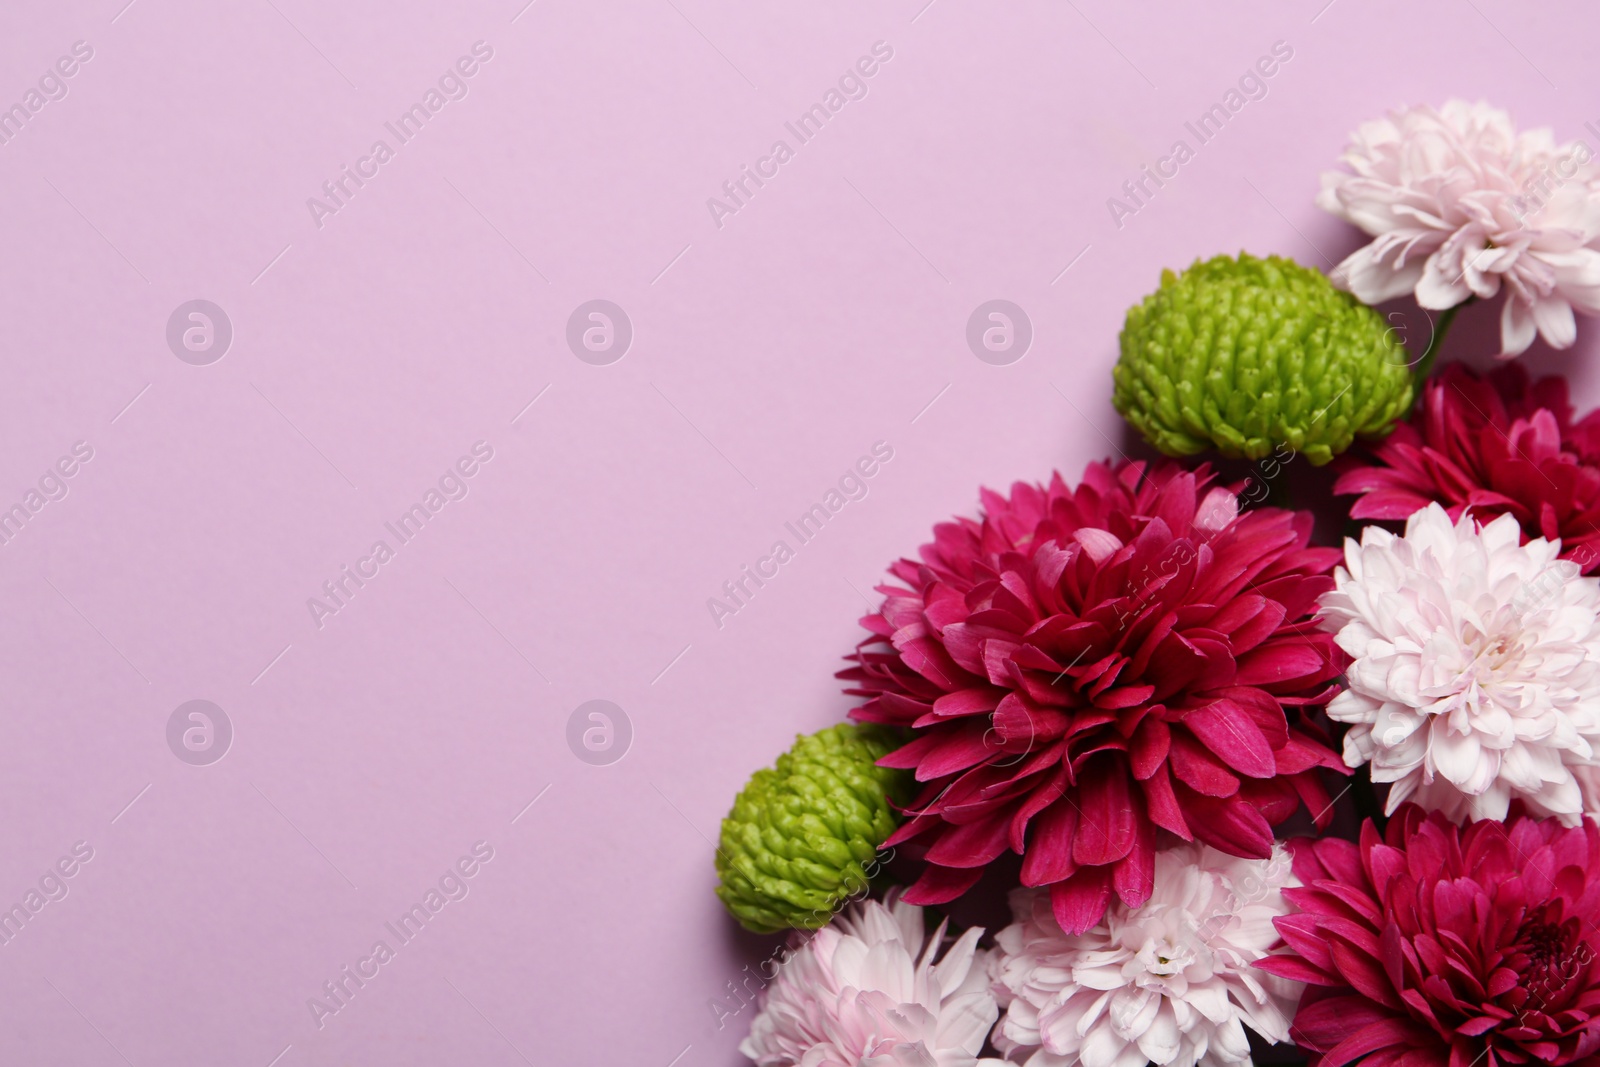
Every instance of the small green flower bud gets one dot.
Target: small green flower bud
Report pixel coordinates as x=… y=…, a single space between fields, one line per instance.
x=1244 y=355
x=802 y=838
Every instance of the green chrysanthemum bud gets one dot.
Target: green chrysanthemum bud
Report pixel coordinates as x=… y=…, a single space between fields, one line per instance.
x=1244 y=355
x=803 y=837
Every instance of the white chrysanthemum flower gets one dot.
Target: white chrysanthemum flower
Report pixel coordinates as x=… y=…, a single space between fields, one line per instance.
x=1463 y=205
x=865 y=992
x=1170 y=983
x=1476 y=673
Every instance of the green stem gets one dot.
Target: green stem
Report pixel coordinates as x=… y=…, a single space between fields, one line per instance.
x=1425 y=364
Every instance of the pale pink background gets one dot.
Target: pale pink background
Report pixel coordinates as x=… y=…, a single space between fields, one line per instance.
x=821 y=318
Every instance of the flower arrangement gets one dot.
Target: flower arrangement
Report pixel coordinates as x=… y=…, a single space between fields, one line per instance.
x=1138 y=702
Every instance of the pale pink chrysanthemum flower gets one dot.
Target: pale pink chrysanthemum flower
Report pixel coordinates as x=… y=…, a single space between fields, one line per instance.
x=1475 y=673
x=865 y=991
x=1462 y=205
x=1173 y=982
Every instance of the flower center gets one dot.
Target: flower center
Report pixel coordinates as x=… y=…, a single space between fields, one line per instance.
x=1493 y=657
x=1557 y=959
x=1165 y=951
x=1499 y=652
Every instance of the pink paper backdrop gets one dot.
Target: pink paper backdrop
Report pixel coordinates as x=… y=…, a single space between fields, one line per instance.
x=374 y=345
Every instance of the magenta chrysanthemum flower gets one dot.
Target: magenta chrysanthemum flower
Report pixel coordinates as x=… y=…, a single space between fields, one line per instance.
x=1498 y=445
x=1439 y=946
x=1088 y=665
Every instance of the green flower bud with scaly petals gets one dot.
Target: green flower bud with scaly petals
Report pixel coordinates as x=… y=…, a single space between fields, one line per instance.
x=802 y=838
x=1245 y=355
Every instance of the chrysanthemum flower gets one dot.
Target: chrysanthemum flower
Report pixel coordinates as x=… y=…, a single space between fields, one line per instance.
x=1438 y=946
x=1463 y=205
x=1170 y=983
x=1476 y=673
x=1087 y=665
x=866 y=991
x=1247 y=356
x=803 y=836
x=1499 y=445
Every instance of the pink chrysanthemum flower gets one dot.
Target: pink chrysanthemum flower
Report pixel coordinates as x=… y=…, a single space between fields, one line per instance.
x=1170 y=983
x=1088 y=665
x=1475 y=667
x=1438 y=946
x=1498 y=445
x=1462 y=205
x=865 y=991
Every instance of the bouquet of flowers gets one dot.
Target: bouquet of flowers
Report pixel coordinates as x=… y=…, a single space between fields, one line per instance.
x=1141 y=700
